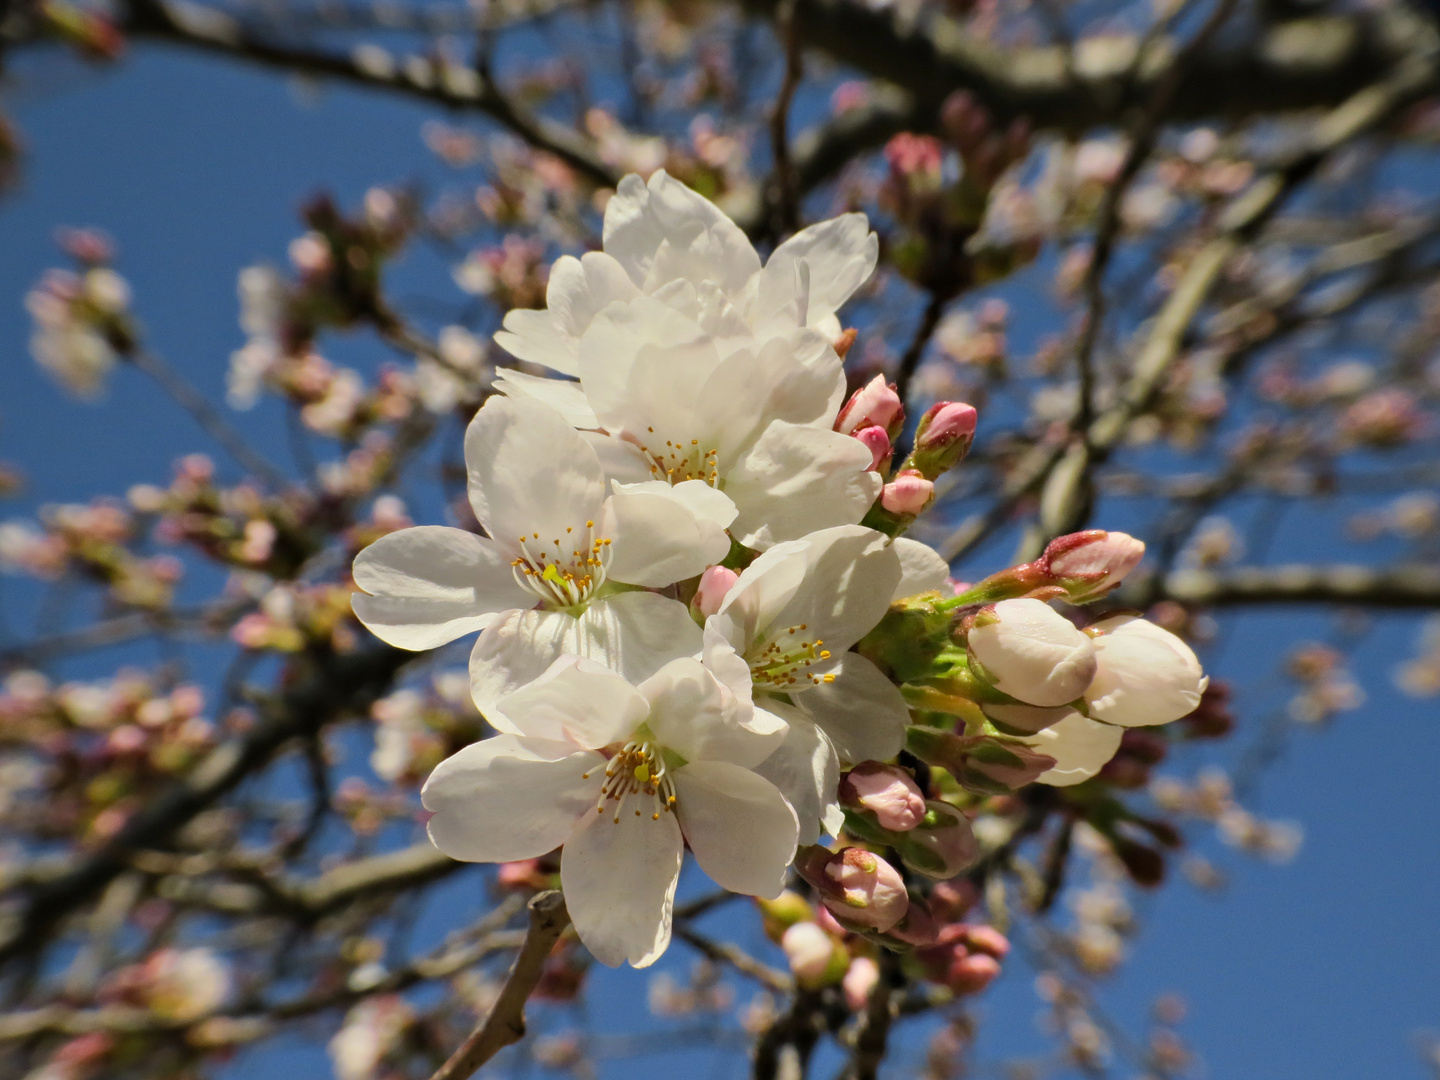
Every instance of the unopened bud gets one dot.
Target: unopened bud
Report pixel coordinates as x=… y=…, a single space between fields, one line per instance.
x=859 y=981
x=715 y=583
x=858 y=886
x=1032 y=652
x=887 y=791
x=942 y=845
x=971 y=973
x=877 y=442
x=986 y=939
x=917 y=927
x=874 y=404
x=908 y=494
x=1089 y=564
x=983 y=763
x=812 y=954
x=943 y=438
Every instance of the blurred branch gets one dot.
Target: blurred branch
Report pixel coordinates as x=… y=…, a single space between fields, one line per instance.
x=741 y=961
x=334 y=686
x=506 y=1022
x=195 y=26
x=1415 y=586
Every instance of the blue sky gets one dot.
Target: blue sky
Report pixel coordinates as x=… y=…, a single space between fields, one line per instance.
x=1322 y=968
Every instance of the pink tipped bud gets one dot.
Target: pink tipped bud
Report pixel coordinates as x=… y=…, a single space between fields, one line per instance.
x=715 y=584
x=1091 y=563
x=971 y=973
x=859 y=981
x=811 y=952
x=943 y=844
x=874 y=404
x=986 y=939
x=943 y=437
x=859 y=887
x=887 y=791
x=908 y=494
x=877 y=442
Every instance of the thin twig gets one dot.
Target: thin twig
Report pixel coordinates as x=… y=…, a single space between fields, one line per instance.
x=910 y=361
x=506 y=1022
x=786 y=197
x=207 y=416
x=739 y=959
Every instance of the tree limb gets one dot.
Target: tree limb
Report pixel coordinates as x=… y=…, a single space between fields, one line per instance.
x=506 y=1022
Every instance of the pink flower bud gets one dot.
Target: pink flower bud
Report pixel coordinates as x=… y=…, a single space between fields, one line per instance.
x=971 y=973
x=943 y=438
x=887 y=791
x=1091 y=563
x=859 y=887
x=871 y=890
x=877 y=442
x=950 y=900
x=943 y=845
x=859 y=981
x=908 y=494
x=810 y=951
x=986 y=939
x=715 y=583
x=874 y=404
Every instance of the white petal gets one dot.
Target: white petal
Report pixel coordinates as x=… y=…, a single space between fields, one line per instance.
x=922 y=568
x=1080 y=747
x=740 y=827
x=694 y=714
x=632 y=633
x=579 y=701
x=843 y=588
x=562 y=395
x=862 y=711
x=700 y=243
x=643 y=366
x=533 y=336
x=530 y=471
x=631 y=234
x=1027 y=718
x=506 y=798
x=842 y=253
x=579 y=289
x=657 y=536
x=781 y=300
x=1034 y=653
x=431 y=584
x=804 y=767
x=1145 y=674
x=619 y=883
x=620 y=459
x=797 y=479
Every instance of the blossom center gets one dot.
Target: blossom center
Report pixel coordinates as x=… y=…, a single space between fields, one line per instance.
x=782 y=664
x=677 y=462
x=638 y=769
x=567 y=571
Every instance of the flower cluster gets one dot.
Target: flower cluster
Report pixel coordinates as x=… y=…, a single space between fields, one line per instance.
x=699 y=623
x=81 y=317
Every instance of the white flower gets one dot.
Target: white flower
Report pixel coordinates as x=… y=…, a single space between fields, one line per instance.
x=371 y=1030
x=1032 y=652
x=1146 y=675
x=1080 y=747
x=555 y=536
x=790 y=619
x=624 y=777
x=664 y=240
x=752 y=419
x=185 y=984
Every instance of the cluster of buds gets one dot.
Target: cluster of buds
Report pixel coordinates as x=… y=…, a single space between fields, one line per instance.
x=965 y=957
x=875 y=416
x=415 y=730
x=82 y=320
x=92 y=542
x=513 y=273
x=884 y=806
x=116 y=742
x=236 y=526
x=293 y=617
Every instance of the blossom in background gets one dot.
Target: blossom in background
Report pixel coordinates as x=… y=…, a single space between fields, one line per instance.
x=556 y=539
x=624 y=777
x=79 y=319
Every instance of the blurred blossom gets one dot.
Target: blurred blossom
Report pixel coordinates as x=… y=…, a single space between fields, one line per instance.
x=371 y=1031
x=1215 y=542
x=1420 y=677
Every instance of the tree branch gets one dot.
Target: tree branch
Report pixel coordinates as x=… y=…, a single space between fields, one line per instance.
x=1403 y=587
x=506 y=1022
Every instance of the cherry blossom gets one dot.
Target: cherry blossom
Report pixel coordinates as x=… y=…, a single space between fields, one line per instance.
x=624 y=777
